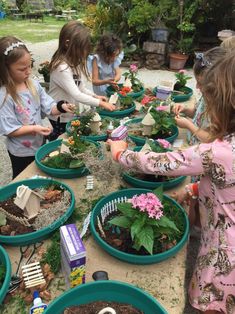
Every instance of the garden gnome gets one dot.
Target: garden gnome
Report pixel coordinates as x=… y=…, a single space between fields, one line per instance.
x=148 y=123
x=95 y=123
x=28 y=200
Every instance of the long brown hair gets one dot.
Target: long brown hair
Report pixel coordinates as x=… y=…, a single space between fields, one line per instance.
x=107 y=46
x=74 y=47
x=6 y=60
x=218 y=90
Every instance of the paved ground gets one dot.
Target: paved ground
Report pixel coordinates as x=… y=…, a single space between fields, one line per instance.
x=42 y=52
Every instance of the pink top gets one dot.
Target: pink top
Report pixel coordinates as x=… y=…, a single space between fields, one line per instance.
x=212 y=286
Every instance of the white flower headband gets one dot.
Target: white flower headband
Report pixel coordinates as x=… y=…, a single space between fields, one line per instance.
x=12 y=46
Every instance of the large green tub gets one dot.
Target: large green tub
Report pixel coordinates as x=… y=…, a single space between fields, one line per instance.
x=117 y=113
x=132 y=258
x=5 y=261
x=110 y=91
x=36 y=236
x=107 y=290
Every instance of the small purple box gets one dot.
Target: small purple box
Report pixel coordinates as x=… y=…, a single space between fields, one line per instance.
x=73 y=255
x=120 y=133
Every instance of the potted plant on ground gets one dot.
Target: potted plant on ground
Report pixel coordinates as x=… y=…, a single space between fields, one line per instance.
x=181 y=92
x=139 y=226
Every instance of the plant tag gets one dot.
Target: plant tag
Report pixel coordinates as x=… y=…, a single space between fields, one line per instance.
x=138 y=105
x=85 y=225
x=113 y=99
x=64 y=148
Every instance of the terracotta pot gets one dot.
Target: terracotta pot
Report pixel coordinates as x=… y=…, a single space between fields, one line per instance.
x=177 y=61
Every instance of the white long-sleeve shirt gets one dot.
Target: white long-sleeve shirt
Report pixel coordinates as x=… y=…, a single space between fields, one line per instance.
x=65 y=85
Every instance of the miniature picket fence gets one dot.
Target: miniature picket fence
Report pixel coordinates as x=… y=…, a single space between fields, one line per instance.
x=32 y=275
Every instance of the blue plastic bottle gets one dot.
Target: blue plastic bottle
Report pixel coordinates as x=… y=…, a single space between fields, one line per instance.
x=38 y=306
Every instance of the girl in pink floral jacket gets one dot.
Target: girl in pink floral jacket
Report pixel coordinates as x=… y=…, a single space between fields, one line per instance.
x=212 y=287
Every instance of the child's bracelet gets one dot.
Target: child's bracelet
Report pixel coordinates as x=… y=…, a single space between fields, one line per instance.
x=192 y=190
x=59 y=106
x=117 y=155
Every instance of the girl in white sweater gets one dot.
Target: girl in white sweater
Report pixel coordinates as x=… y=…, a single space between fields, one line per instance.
x=68 y=69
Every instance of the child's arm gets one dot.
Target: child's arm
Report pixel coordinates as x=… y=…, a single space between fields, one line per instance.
x=118 y=74
x=95 y=75
x=185 y=123
x=30 y=129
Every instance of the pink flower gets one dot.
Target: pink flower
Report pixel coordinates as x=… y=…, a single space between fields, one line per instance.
x=182 y=71
x=145 y=100
x=162 y=108
x=133 y=68
x=164 y=143
x=148 y=203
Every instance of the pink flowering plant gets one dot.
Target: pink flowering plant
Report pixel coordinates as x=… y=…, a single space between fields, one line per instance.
x=148 y=223
x=132 y=75
x=181 y=79
x=164 y=121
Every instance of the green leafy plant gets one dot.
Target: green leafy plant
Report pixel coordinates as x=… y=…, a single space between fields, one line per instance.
x=164 y=121
x=181 y=79
x=45 y=70
x=52 y=255
x=132 y=76
x=144 y=216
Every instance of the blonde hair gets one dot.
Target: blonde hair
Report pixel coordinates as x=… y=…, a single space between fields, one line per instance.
x=228 y=43
x=6 y=60
x=74 y=47
x=219 y=93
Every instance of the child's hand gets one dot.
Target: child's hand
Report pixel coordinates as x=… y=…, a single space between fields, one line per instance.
x=42 y=130
x=182 y=197
x=116 y=147
x=178 y=108
x=107 y=106
x=111 y=82
x=101 y=97
x=182 y=122
x=69 y=107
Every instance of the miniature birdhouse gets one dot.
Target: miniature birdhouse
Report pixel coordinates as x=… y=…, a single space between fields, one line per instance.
x=127 y=83
x=28 y=200
x=148 y=123
x=95 y=123
x=146 y=148
x=113 y=99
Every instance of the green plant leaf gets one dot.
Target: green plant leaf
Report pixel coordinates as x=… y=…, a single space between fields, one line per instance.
x=126 y=209
x=137 y=226
x=76 y=163
x=146 y=238
x=121 y=221
x=3 y=219
x=159 y=192
x=167 y=223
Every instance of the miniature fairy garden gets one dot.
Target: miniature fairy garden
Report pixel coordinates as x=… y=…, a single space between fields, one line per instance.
x=157 y=123
x=143 y=180
x=30 y=210
x=132 y=86
x=139 y=226
x=91 y=126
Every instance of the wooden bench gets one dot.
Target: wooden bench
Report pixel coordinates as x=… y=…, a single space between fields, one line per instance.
x=19 y=15
x=34 y=16
x=61 y=16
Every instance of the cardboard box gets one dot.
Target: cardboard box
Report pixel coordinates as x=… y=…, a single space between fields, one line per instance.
x=73 y=256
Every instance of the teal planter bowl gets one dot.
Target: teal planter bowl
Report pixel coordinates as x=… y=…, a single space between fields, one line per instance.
x=140 y=141
x=110 y=91
x=117 y=113
x=144 y=184
x=179 y=97
x=46 y=149
x=95 y=138
x=133 y=258
x=36 y=236
x=5 y=261
x=109 y=290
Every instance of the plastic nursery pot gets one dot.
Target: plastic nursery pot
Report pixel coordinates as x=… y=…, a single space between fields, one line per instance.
x=95 y=138
x=110 y=91
x=46 y=149
x=114 y=197
x=182 y=97
x=117 y=113
x=140 y=141
x=108 y=290
x=138 y=183
x=36 y=236
x=5 y=261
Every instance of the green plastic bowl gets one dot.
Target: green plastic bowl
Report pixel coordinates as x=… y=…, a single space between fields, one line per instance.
x=110 y=91
x=36 y=236
x=58 y=173
x=179 y=98
x=138 y=183
x=132 y=258
x=95 y=138
x=140 y=141
x=117 y=113
x=4 y=260
x=108 y=290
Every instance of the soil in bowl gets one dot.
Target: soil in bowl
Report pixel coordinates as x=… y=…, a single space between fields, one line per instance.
x=120 y=238
x=95 y=307
x=151 y=177
x=55 y=201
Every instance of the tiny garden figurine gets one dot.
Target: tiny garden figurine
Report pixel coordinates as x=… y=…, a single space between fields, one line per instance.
x=95 y=123
x=148 y=123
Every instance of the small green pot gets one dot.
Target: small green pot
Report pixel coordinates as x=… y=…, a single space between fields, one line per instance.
x=46 y=149
x=138 y=183
x=132 y=258
x=110 y=91
x=179 y=97
x=117 y=113
x=109 y=290
x=140 y=141
x=36 y=236
x=5 y=261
